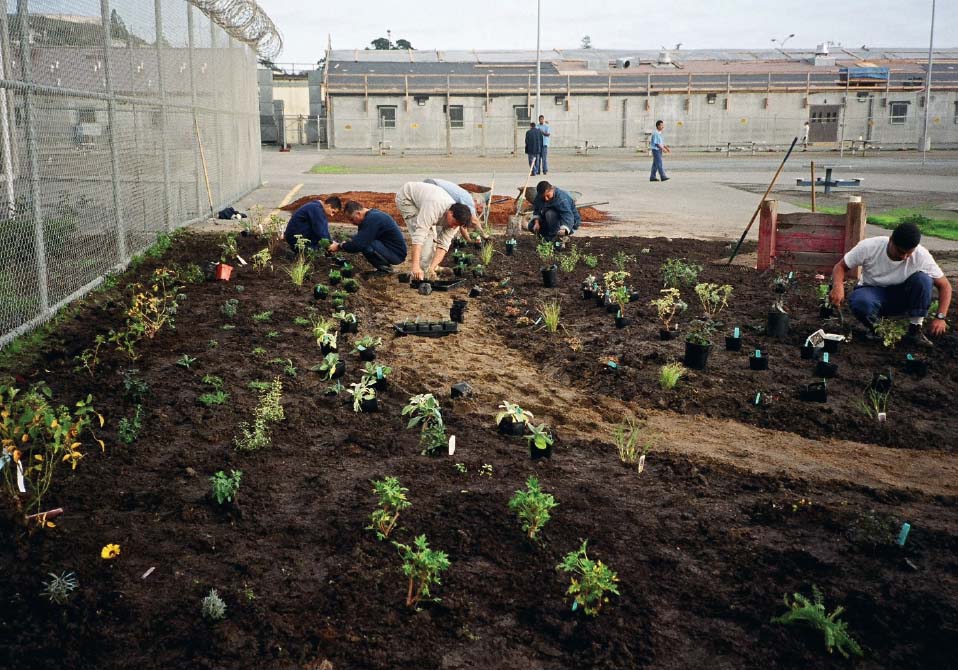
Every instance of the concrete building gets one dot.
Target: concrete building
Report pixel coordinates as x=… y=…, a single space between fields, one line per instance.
x=482 y=101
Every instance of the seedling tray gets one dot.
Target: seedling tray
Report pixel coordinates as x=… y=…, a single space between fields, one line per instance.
x=426 y=328
x=439 y=284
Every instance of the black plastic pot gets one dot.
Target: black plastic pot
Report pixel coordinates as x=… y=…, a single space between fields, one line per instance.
x=347 y=273
x=340 y=260
x=368 y=354
x=599 y=300
x=826 y=312
x=755 y=363
x=733 y=343
x=550 y=276
x=456 y=315
x=510 y=248
x=371 y=405
x=209 y=270
x=461 y=390
x=334 y=281
x=475 y=292
x=509 y=427
x=423 y=327
x=351 y=288
x=458 y=271
x=381 y=385
x=339 y=370
x=696 y=355
x=611 y=307
x=777 y=324
x=587 y=294
x=622 y=322
x=668 y=334
x=404 y=277
x=435 y=328
x=634 y=297
x=916 y=366
x=450 y=327
x=327 y=349
x=808 y=352
x=409 y=326
x=535 y=453
x=348 y=326
x=425 y=288
x=320 y=292
x=831 y=346
x=816 y=392
x=826 y=370
x=460 y=304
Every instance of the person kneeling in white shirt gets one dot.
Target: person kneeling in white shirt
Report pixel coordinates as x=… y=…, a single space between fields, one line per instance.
x=896 y=280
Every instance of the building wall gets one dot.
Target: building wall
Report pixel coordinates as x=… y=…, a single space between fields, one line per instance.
x=294 y=94
x=744 y=120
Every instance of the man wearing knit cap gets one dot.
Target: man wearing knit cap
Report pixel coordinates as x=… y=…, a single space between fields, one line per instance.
x=896 y=280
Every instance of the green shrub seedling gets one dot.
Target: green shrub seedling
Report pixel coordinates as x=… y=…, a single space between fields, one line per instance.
x=392 y=501
x=812 y=613
x=422 y=566
x=590 y=581
x=224 y=487
x=532 y=507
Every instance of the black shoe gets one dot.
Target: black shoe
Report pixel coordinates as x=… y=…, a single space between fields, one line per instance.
x=653 y=179
x=384 y=269
x=915 y=337
x=666 y=178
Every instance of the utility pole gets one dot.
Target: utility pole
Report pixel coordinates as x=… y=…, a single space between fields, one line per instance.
x=538 y=58
x=931 y=44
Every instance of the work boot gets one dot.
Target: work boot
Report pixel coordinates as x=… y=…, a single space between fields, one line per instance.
x=915 y=337
x=384 y=269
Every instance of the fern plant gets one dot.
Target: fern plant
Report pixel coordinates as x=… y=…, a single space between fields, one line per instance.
x=812 y=613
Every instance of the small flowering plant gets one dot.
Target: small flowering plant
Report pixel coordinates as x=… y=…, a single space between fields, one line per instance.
x=109 y=552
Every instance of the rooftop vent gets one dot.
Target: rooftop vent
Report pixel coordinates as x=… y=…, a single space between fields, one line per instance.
x=665 y=58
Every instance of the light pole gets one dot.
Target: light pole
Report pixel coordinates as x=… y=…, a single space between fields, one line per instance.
x=781 y=44
x=931 y=44
x=538 y=61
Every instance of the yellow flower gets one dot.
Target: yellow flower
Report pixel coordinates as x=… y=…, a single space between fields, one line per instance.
x=109 y=552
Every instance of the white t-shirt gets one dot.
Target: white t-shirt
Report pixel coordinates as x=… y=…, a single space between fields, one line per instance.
x=879 y=270
x=430 y=204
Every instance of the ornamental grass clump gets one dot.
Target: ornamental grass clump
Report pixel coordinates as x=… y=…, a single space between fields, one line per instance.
x=532 y=507
x=812 y=613
x=424 y=411
x=625 y=437
x=391 y=501
x=422 y=566
x=256 y=435
x=550 y=312
x=591 y=580
x=670 y=374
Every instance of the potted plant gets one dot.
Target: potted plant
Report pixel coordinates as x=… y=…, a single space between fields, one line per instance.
x=450 y=327
x=916 y=366
x=404 y=277
x=460 y=269
x=350 y=285
x=616 y=292
x=346 y=270
x=457 y=309
x=825 y=309
x=540 y=441
x=758 y=360
x=331 y=367
x=511 y=246
x=335 y=276
x=825 y=368
x=478 y=271
x=733 y=342
x=512 y=419
x=714 y=298
x=668 y=307
x=320 y=291
x=325 y=336
x=588 y=287
x=815 y=392
x=698 y=344
x=228 y=251
x=364 y=396
x=621 y=296
x=347 y=321
x=777 y=321
x=378 y=374
x=366 y=347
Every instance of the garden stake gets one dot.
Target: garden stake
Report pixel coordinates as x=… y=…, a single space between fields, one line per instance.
x=758 y=397
x=903 y=534
x=825 y=357
x=759 y=208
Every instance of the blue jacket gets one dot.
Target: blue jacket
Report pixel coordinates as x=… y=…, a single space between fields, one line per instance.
x=377 y=225
x=309 y=221
x=534 y=142
x=563 y=205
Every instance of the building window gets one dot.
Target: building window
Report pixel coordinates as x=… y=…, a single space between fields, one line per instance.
x=87 y=115
x=387 y=116
x=456 y=119
x=956 y=111
x=898 y=112
x=522 y=116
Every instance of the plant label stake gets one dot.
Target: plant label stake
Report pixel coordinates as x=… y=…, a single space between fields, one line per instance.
x=641 y=463
x=20 y=483
x=379 y=372
x=240 y=259
x=736 y=333
x=758 y=398
x=825 y=357
x=758 y=353
x=575 y=605
x=903 y=534
x=452 y=444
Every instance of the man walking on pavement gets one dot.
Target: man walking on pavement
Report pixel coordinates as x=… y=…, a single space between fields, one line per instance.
x=433 y=219
x=658 y=146
x=897 y=277
x=546 y=139
x=534 y=148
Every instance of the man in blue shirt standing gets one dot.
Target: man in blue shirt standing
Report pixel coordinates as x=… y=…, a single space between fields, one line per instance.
x=658 y=146
x=311 y=221
x=554 y=214
x=546 y=139
x=534 y=149
x=379 y=239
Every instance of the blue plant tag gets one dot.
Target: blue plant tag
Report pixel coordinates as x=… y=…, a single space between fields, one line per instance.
x=575 y=605
x=612 y=364
x=379 y=372
x=825 y=357
x=735 y=333
x=758 y=353
x=903 y=533
x=909 y=357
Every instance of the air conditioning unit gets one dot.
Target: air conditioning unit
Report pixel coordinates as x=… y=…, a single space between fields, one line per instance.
x=625 y=63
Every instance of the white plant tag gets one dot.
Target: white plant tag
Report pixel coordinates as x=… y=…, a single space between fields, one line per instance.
x=881 y=417
x=20 y=483
x=641 y=463
x=452 y=444
x=148 y=572
x=240 y=259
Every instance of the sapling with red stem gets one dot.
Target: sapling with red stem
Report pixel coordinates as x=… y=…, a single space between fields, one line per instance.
x=391 y=501
x=422 y=566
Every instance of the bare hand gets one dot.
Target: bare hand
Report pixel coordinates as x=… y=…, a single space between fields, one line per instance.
x=837 y=295
x=417 y=274
x=333 y=248
x=535 y=226
x=938 y=327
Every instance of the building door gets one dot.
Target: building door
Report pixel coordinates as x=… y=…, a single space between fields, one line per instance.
x=823 y=123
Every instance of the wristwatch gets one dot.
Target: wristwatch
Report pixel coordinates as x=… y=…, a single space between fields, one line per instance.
x=939 y=315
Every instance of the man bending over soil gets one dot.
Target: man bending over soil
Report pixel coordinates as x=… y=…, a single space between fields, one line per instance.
x=554 y=214
x=311 y=221
x=433 y=219
x=379 y=238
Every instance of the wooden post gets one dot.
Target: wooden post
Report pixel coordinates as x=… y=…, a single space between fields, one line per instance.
x=854 y=229
x=608 y=99
x=813 y=187
x=768 y=220
x=366 y=93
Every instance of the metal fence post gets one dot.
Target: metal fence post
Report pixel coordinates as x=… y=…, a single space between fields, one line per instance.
x=164 y=122
x=198 y=180
x=114 y=151
x=34 y=165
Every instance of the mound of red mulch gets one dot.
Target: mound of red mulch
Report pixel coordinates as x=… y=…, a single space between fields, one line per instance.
x=503 y=206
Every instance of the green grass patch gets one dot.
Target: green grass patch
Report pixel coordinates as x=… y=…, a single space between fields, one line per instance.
x=329 y=169
x=946 y=229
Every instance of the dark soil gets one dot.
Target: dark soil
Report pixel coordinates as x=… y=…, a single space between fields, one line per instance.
x=704 y=553
x=918 y=409
x=502 y=206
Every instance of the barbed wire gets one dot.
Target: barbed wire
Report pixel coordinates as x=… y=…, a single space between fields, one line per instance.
x=246 y=21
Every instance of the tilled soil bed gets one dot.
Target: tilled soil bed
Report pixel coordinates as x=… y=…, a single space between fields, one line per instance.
x=704 y=553
x=918 y=407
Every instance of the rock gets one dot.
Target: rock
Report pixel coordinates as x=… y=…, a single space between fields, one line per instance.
x=191 y=472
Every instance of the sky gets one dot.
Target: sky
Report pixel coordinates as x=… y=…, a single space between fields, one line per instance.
x=696 y=24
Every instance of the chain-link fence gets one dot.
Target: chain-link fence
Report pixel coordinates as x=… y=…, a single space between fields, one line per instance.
x=105 y=106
